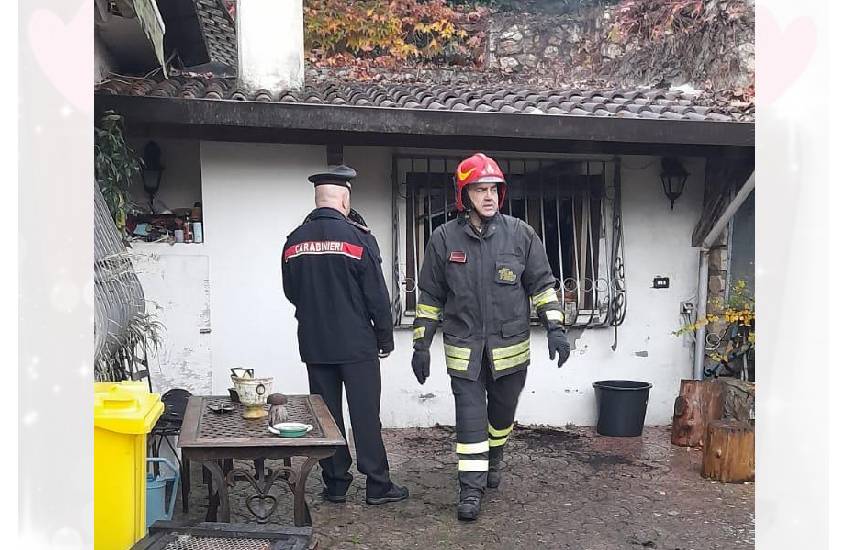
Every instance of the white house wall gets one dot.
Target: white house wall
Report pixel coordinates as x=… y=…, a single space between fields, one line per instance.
x=254 y=195
x=175 y=279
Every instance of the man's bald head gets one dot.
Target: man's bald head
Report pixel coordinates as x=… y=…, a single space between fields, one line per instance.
x=333 y=196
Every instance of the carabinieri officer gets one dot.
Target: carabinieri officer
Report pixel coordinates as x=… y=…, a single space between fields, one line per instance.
x=331 y=268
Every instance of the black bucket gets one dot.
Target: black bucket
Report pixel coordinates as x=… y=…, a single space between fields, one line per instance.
x=622 y=407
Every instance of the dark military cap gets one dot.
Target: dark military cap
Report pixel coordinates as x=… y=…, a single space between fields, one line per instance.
x=335 y=175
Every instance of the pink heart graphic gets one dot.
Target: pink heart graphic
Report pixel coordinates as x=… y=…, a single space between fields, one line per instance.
x=64 y=54
x=788 y=53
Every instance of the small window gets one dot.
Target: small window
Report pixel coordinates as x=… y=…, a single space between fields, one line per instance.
x=570 y=204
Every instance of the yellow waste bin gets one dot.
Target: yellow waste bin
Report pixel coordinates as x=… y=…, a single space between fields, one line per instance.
x=124 y=413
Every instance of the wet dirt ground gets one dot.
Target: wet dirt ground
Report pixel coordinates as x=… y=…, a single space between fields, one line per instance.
x=564 y=488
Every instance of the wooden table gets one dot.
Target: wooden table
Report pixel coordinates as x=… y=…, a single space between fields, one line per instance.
x=214 y=439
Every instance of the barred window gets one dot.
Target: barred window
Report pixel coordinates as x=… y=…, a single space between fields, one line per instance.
x=572 y=205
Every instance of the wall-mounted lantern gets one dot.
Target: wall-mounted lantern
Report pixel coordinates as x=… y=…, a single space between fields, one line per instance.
x=673 y=178
x=152 y=171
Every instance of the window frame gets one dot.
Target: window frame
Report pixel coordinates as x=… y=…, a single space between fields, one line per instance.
x=591 y=179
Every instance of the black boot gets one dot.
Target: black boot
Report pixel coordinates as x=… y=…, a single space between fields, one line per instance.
x=494 y=472
x=395 y=494
x=469 y=505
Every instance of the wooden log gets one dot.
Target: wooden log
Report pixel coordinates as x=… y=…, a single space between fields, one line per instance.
x=698 y=403
x=729 y=452
x=701 y=401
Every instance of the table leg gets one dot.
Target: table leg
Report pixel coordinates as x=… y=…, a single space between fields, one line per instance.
x=222 y=499
x=185 y=482
x=259 y=469
x=300 y=511
x=212 y=496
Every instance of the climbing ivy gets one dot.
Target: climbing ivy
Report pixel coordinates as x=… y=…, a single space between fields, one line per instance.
x=652 y=19
x=391 y=33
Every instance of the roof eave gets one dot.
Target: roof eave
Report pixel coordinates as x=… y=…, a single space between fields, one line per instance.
x=204 y=115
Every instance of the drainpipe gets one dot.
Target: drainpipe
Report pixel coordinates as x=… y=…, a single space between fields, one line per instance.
x=702 y=302
x=707 y=243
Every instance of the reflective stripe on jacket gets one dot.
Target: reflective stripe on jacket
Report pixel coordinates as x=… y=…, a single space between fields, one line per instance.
x=480 y=288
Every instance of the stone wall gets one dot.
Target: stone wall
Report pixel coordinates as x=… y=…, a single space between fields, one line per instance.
x=536 y=42
x=581 y=44
x=538 y=45
x=718 y=266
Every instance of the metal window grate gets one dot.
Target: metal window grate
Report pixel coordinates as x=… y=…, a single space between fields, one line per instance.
x=573 y=205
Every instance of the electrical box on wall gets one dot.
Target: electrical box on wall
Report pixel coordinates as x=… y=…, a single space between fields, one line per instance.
x=661 y=282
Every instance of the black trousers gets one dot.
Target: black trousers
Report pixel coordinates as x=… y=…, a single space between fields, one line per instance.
x=484 y=415
x=362 y=382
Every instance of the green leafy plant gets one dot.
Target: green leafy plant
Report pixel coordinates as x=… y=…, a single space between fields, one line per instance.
x=735 y=319
x=116 y=165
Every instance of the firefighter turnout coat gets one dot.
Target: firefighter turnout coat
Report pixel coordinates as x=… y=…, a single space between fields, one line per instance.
x=482 y=287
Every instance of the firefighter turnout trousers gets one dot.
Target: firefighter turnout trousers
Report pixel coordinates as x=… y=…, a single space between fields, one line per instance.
x=481 y=286
x=484 y=414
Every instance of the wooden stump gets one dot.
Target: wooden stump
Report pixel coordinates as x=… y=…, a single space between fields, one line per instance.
x=729 y=452
x=697 y=405
x=702 y=401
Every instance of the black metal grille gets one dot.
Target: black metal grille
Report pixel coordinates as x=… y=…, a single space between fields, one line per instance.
x=573 y=205
x=191 y=542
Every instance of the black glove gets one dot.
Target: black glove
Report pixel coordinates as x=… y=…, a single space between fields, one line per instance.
x=558 y=342
x=385 y=349
x=421 y=364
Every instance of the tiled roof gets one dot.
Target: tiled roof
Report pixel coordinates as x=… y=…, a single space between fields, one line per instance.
x=623 y=103
x=218 y=31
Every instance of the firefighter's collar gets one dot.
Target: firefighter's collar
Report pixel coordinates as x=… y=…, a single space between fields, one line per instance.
x=490 y=228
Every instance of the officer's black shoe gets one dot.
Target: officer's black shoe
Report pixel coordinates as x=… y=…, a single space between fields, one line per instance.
x=330 y=497
x=469 y=507
x=395 y=494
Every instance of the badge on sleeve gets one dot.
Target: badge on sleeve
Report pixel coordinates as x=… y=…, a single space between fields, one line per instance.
x=458 y=257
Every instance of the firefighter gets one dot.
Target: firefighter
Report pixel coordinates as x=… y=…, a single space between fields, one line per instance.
x=478 y=274
x=332 y=275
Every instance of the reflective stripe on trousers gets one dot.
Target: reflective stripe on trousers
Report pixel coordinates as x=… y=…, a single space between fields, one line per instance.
x=484 y=413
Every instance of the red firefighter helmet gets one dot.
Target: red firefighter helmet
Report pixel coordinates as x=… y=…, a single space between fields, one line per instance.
x=479 y=168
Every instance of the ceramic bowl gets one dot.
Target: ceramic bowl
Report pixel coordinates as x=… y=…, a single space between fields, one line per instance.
x=290 y=429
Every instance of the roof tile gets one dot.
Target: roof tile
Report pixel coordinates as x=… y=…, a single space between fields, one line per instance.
x=637 y=103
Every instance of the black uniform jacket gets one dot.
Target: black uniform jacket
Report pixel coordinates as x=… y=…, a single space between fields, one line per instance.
x=332 y=275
